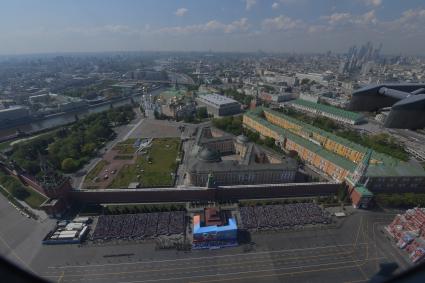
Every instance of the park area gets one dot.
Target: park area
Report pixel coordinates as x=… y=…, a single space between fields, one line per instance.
x=12 y=188
x=137 y=162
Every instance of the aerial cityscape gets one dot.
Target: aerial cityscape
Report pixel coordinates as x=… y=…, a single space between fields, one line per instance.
x=189 y=152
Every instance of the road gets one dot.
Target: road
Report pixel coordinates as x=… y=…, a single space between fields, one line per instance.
x=349 y=254
x=20 y=237
x=188 y=142
x=122 y=133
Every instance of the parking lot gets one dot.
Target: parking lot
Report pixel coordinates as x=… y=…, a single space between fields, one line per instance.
x=151 y=128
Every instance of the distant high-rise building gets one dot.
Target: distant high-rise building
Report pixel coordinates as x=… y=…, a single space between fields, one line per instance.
x=357 y=59
x=367 y=67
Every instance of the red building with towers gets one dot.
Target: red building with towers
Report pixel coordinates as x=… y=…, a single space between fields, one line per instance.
x=56 y=187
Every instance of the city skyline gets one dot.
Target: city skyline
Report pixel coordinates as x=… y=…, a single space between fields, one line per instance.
x=303 y=26
x=201 y=140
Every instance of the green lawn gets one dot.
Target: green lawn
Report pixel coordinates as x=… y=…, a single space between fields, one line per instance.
x=126 y=147
x=10 y=198
x=18 y=204
x=123 y=157
x=96 y=170
x=5 y=145
x=128 y=141
x=33 y=199
x=157 y=172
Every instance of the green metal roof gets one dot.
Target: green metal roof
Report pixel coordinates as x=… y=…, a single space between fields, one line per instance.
x=172 y=93
x=353 y=146
x=325 y=154
x=309 y=128
x=363 y=191
x=390 y=167
x=329 y=109
x=391 y=170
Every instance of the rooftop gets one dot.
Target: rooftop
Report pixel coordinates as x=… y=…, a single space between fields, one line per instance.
x=172 y=93
x=217 y=99
x=208 y=155
x=125 y=85
x=197 y=229
x=242 y=139
x=363 y=191
x=203 y=158
x=387 y=167
x=328 y=109
x=334 y=158
x=383 y=158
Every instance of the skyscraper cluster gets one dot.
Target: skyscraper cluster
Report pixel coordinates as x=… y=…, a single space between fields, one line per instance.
x=360 y=60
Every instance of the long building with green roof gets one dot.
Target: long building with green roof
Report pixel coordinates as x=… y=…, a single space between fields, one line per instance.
x=341 y=167
x=339 y=145
x=172 y=94
x=328 y=111
x=333 y=155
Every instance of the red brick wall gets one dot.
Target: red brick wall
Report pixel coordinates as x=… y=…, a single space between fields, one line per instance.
x=219 y=194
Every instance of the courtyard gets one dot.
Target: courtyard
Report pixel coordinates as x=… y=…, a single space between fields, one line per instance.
x=136 y=162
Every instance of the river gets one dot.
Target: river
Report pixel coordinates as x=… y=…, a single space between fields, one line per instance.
x=69 y=117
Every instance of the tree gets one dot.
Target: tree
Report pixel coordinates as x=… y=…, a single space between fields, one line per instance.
x=88 y=148
x=252 y=136
x=69 y=165
x=14 y=187
x=342 y=193
x=216 y=81
x=156 y=114
x=77 y=142
x=229 y=124
x=17 y=191
x=202 y=113
x=30 y=166
x=98 y=131
x=305 y=81
x=188 y=119
x=270 y=142
x=193 y=88
x=247 y=100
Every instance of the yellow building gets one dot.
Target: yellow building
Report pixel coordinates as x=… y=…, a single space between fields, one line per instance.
x=331 y=142
x=312 y=153
x=336 y=156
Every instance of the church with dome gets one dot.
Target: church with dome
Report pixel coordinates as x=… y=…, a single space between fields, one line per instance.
x=230 y=160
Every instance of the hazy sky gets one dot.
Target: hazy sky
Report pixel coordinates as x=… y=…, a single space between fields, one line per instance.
x=37 y=26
